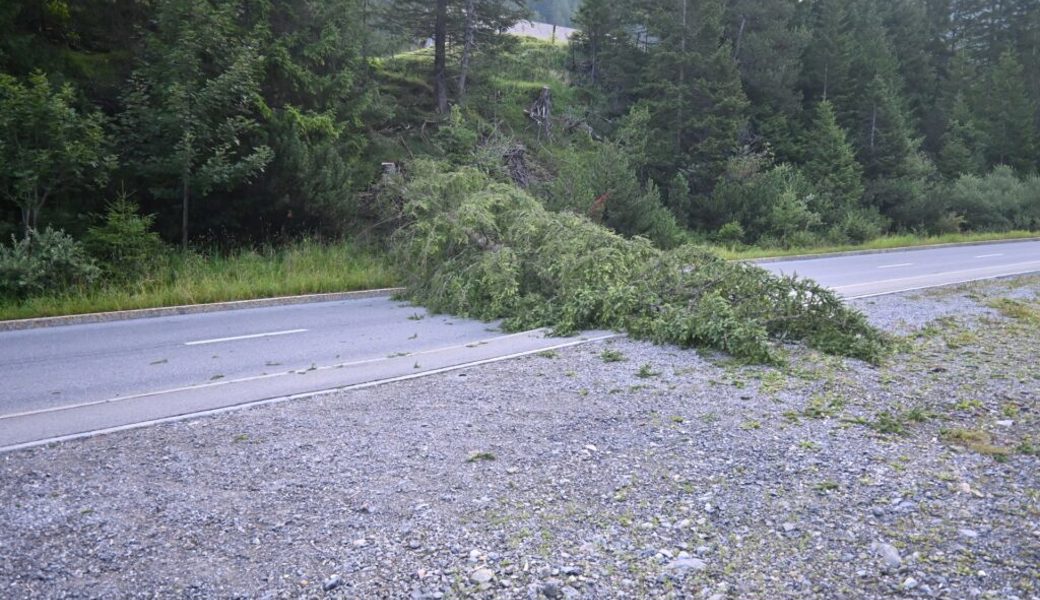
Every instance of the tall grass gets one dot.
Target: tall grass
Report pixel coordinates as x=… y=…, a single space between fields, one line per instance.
x=305 y=267
x=882 y=243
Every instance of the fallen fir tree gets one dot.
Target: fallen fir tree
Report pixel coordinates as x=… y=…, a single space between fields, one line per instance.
x=477 y=248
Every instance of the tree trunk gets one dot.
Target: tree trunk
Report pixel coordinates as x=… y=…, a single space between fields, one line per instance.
x=467 y=47
x=185 y=196
x=740 y=38
x=679 y=133
x=440 y=58
x=873 y=127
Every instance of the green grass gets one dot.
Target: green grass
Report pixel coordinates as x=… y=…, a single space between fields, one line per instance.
x=881 y=243
x=305 y=267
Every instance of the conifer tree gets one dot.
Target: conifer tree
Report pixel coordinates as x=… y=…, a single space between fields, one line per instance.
x=825 y=60
x=693 y=91
x=961 y=150
x=1010 y=117
x=830 y=163
x=885 y=138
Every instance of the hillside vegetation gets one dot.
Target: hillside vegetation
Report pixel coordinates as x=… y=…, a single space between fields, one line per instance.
x=228 y=124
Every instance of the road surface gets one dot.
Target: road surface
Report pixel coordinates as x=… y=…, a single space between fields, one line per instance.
x=61 y=382
x=861 y=275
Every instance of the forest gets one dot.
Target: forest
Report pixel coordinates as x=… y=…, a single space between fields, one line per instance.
x=131 y=127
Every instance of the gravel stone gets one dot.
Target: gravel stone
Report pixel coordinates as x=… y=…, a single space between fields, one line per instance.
x=681 y=565
x=332 y=583
x=605 y=484
x=890 y=555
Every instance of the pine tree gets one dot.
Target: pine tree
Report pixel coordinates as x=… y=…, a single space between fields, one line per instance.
x=825 y=60
x=1010 y=117
x=961 y=147
x=768 y=43
x=830 y=163
x=693 y=91
x=606 y=53
x=767 y=46
x=886 y=140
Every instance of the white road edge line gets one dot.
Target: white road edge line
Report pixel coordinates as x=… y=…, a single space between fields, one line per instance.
x=266 y=376
x=244 y=337
x=935 y=285
x=303 y=396
x=896 y=266
x=989 y=255
x=1023 y=268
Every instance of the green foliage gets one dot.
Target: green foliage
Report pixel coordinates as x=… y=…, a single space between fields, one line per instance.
x=598 y=181
x=488 y=250
x=1010 y=116
x=776 y=203
x=455 y=138
x=46 y=145
x=830 y=163
x=192 y=104
x=178 y=278
x=998 y=201
x=44 y=262
x=692 y=89
x=124 y=244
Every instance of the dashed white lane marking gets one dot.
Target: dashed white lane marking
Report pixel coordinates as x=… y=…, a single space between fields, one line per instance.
x=300 y=396
x=989 y=255
x=244 y=337
x=896 y=266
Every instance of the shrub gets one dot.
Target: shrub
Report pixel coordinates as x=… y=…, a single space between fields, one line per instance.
x=599 y=182
x=999 y=201
x=858 y=225
x=124 y=244
x=730 y=234
x=488 y=250
x=776 y=203
x=44 y=262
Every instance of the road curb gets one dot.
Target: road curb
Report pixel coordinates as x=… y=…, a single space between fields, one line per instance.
x=188 y=309
x=773 y=259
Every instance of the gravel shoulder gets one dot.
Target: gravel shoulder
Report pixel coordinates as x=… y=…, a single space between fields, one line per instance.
x=610 y=470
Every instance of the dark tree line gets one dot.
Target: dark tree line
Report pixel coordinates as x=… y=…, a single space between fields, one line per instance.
x=224 y=117
x=874 y=103
x=772 y=121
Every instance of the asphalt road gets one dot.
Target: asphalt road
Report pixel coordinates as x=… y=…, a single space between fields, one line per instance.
x=861 y=275
x=61 y=382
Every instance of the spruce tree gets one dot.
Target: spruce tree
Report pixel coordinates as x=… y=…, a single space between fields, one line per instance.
x=961 y=150
x=830 y=163
x=886 y=140
x=1010 y=117
x=693 y=91
x=825 y=60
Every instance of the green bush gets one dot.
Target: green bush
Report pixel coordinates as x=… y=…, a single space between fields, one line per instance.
x=43 y=262
x=488 y=250
x=730 y=234
x=999 y=201
x=124 y=244
x=600 y=183
x=777 y=203
x=858 y=225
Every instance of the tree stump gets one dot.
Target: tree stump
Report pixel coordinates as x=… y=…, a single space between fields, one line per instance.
x=541 y=112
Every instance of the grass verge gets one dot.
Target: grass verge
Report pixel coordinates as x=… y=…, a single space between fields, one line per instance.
x=882 y=243
x=305 y=267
